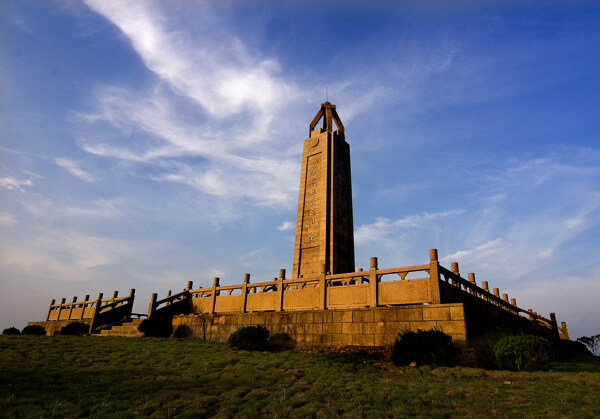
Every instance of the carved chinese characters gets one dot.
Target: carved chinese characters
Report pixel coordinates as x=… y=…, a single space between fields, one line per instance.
x=312 y=201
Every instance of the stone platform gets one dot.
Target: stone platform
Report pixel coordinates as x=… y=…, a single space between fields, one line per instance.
x=351 y=327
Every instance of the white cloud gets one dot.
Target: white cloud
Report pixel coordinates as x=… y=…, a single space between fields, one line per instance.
x=7 y=219
x=285 y=226
x=218 y=72
x=384 y=227
x=64 y=256
x=74 y=168
x=13 y=184
x=227 y=128
x=479 y=251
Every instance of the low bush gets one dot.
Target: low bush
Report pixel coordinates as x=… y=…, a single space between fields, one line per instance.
x=75 y=329
x=11 y=331
x=34 y=330
x=524 y=353
x=423 y=347
x=157 y=327
x=249 y=337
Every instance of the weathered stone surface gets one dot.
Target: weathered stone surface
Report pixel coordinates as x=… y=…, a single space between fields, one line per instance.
x=324 y=228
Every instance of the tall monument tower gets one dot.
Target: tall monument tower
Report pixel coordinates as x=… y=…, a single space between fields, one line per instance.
x=324 y=225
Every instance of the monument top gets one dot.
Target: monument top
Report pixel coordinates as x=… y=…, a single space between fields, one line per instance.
x=329 y=114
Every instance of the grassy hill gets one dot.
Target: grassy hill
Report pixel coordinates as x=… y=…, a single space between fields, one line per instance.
x=66 y=376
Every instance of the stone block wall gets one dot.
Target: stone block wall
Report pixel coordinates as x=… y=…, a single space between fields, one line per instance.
x=350 y=327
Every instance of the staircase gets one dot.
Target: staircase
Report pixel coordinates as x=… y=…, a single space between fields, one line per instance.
x=126 y=329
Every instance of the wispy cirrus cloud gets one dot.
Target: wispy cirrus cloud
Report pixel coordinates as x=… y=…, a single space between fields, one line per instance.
x=219 y=73
x=7 y=219
x=69 y=256
x=75 y=169
x=14 y=184
x=201 y=85
x=385 y=227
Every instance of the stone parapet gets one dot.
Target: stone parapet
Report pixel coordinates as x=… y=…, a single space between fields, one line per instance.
x=351 y=327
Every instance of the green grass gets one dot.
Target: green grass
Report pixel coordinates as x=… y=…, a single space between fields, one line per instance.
x=68 y=376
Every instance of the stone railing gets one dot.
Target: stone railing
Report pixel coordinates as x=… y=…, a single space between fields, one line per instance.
x=99 y=312
x=171 y=304
x=420 y=284
x=355 y=289
x=454 y=288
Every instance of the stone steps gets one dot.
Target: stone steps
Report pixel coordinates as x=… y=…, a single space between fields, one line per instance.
x=127 y=329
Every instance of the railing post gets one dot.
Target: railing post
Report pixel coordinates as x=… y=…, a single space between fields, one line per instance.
x=189 y=285
x=280 y=290
x=152 y=304
x=213 y=297
x=564 y=332
x=96 y=312
x=83 y=305
x=115 y=293
x=71 y=308
x=50 y=309
x=497 y=295
x=434 y=275
x=455 y=271
x=245 y=292
x=472 y=281
x=323 y=288
x=131 y=298
x=554 y=326
x=373 y=283
x=362 y=278
x=484 y=285
x=168 y=302
x=62 y=301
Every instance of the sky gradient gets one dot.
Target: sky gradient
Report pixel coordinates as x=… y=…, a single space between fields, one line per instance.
x=144 y=144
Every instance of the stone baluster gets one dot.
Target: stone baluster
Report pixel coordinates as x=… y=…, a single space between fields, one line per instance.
x=434 y=275
x=280 y=290
x=245 y=292
x=373 y=283
x=213 y=296
x=50 y=309
x=455 y=271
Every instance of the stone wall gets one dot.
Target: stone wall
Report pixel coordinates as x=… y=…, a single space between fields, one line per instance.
x=356 y=327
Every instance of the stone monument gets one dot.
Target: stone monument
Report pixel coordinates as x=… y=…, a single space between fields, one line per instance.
x=324 y=227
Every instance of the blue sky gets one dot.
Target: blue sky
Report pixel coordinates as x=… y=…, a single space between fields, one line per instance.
x=144 y=144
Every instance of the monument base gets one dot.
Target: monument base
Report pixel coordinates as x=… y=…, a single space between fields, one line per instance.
x=364 y=327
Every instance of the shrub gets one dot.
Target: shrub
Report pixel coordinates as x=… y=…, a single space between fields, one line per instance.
x=523 y=353
x=157 y=327
x=423 y=347
x=11 y=331
x=75 y=329
x=567 y=349
x=34 y=330
x=249 y=337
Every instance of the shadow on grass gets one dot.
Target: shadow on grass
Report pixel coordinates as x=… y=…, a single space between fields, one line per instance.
x=579 y=363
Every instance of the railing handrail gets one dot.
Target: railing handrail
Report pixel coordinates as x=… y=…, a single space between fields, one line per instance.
x=480 y=293
x=344 y=279
x=88 y=303
x=173 y=298
x=118 y=303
